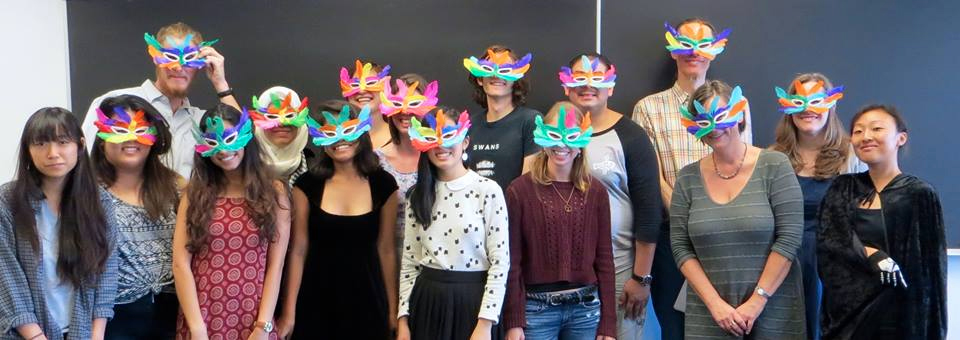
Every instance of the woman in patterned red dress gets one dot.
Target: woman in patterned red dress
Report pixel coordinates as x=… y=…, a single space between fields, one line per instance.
x=231 y=235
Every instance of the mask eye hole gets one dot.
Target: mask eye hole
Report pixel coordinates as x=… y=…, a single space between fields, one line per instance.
x=415 y=103
x=449 y=135
x=686 y=45
x=554 y=135
x=141 y=130
x=703 y=123
x=290 y=115
x=329 y=134
x=596 y=79
x=119 y=130
x=486 y=68
x=573 y=136
x=505 y=70
x=191 y=56
x=171 y=56
x=704 y=44
x=230 y=139
x=210 y=142
x=396 y=104
x=721 y=116
x=372 y=82
x=797 y=102
x=349 y=130
x=355 y=85
x=580 y=78
x=431 y=139
x=272 y=116
x=816 y=102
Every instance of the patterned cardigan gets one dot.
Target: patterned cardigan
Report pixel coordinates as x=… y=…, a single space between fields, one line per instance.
x=22 y=299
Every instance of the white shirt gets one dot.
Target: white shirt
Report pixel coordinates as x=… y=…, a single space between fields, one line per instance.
x=180 y=157
x=468 y=233
x=59 y=293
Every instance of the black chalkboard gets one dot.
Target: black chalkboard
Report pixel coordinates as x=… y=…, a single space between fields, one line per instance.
x=898 y=52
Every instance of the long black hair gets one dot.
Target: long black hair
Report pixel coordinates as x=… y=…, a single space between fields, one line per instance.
x=84 y=246
x=423 y=194
x=159 y=190
x=365 y=160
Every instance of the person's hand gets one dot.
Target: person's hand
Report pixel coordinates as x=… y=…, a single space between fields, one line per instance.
x=258 y=334
x=515 y=333
x=751 y=310
x=727 y=318
x=403 y=330
x=889 y=270
x=284 y=326
x=482 y=330
x=200 y=334
x=214 y=68
x=634 y=299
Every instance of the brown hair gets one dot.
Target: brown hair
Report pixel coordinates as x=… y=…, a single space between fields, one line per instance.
x=159 y=190
x=832 y=158
x=710 y=89
x=579 y=174
x=408 y=79
x=179 y=29
x=84 y=245
x=520 y=87
x=207 y=183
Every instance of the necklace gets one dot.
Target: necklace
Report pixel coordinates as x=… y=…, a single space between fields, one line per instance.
x=566 y=201
x=716 y=168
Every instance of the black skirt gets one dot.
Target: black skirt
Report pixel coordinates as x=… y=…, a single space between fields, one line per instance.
x=445 y=304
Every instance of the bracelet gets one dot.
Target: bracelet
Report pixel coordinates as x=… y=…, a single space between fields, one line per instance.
x=643 y=280
x=36 y=336
x=225 y=93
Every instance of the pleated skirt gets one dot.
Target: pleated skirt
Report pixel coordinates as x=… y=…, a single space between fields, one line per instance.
x=445 y=305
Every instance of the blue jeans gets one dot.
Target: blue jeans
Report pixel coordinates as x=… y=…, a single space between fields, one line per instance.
x=573 y=321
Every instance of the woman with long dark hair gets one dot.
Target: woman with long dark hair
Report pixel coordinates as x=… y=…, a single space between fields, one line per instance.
x=126 y=155
x=343 y=259
x=882 y=245
x=231 y=236
x=453 y=274
x=58 y=269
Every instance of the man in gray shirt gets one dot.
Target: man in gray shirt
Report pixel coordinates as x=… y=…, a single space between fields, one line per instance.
x=168 y=93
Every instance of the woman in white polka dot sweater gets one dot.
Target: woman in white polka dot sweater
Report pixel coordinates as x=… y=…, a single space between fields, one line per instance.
x=456 y=256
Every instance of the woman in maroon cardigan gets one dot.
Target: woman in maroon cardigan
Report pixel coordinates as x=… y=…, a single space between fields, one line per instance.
x=561 y=281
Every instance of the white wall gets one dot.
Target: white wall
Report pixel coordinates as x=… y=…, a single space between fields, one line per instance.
x=36 y=68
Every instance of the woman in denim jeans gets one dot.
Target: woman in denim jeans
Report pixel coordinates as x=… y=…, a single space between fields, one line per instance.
x=561 y=283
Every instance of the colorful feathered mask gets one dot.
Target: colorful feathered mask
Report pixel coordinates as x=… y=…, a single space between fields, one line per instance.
x=691 y=40
x=340 y=127
x=814 y=99
x=363 y=79
x=437 y=133
x=498 y=64
x=565 y=132
x=125 y=127
x=705 y=120
x=182 y=54
x=218 y=138
x=279 y=112
x=407 y=100
x=593 y=77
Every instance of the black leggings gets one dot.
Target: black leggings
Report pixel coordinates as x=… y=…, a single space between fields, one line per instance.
x=152 y=317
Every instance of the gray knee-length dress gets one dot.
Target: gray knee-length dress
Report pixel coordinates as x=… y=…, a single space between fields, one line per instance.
x=732 y=242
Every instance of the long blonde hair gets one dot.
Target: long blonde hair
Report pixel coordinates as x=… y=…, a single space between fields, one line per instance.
x=579 y=174
x=832 y=158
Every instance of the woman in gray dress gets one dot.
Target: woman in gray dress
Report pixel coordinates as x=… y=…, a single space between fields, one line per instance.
x=736 y=221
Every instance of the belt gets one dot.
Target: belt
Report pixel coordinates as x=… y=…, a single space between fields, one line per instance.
x=585 y=294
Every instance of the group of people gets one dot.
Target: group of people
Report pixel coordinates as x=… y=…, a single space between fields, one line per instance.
x=387 y=215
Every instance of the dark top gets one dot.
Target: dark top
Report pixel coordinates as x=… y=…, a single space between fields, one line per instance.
x=813 y=191
x=853 y=297
x=342 y=295
x=497 y=148
x=868 y=224
x=549 y=245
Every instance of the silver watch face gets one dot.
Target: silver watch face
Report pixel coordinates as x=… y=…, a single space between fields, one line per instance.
x=268 y=326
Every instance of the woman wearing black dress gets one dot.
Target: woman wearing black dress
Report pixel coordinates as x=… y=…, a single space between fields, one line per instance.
x=339 y=258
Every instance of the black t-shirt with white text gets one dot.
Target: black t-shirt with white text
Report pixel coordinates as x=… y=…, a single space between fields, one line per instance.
x=497 y=148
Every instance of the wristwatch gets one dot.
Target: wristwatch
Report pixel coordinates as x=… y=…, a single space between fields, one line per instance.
x=763 y=293
x=643 y=280
x=266 y=326
x=225 y=93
